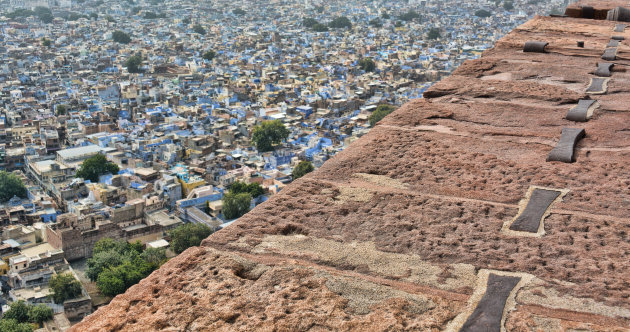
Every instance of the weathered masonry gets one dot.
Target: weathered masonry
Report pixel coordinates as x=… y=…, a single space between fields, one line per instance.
x=473 y=209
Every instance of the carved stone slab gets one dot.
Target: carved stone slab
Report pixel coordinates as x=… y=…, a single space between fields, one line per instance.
x=535 y=46
x=613 y=43
x=564 y=150
x=583 y=111
x=529 y=220
x=610 y=54
x=488 y=314
x=619 y=28
x=603 y=69
x=598 y=86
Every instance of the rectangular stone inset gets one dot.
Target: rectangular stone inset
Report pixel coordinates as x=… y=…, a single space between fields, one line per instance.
x=564 y=150
x=488 y=315
x=535 y=46
x=613 y=43
x=618 y=37
x=603 y=69
x=598 y=86
x=583 y=111
x=619 y=27
x=610 y=54
x=539 y=202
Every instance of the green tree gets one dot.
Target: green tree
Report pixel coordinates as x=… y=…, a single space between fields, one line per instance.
x=12 y=325
x=11 y=185
x=188 y=235
x=121 y=37
x=409 y=16
x=268 y=134
x=380 y=112
x=61 y=109
x=340 y=23
x=65 y=287
x=319 y=9
x=186 y=20
x=103 y=260
x=40 y=313
x=367 y=65
x=96 y=166
x=320 y=27
x=434 y=33
x=133 y=64
x=209 y=55
x=309 y=22
x=239 y=12
x=154 y=256
x=197 y=28
x=110 y=283
x=118 y=265
x=253 y=189
x=44 y=14
x=483 y=13
x=303 y=168
x=150 y=15
x=385 y=16
x=111 y=19
x=508 y=5
x=236 y=205
x=18 y=311
x=94 y=16
x=46 y=42
x=376 y=23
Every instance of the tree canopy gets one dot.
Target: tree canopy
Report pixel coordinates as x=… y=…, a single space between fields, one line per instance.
x=239 y=12
x=303 y=168
x=367 y=65
x=340 y=23
x=483 y=13
x=434 y=33
x=118 y=265
x=253 y=189
x=11 y=185
x=409 y=16
x=134 y=63
x=96 y=166
x=20 y=316
x=46 y=42
x=236 y=205
x=188 y=235
x=320 y=27
x=197 y=28
x=508 y=5
x=209 y=55
x=65 y=287
x=268 y=134
x=121 y=37
x=309 y=22
x=39 y=313
x=380 y=112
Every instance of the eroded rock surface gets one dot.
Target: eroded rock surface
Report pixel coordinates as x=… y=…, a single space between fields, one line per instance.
x=396 y=232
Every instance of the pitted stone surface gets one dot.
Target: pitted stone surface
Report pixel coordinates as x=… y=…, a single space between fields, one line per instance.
x=388 y=235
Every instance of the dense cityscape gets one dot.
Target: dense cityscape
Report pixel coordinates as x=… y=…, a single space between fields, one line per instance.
x=131 y=130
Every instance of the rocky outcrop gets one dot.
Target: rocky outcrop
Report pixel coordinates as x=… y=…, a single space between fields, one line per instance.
x=409 y=227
